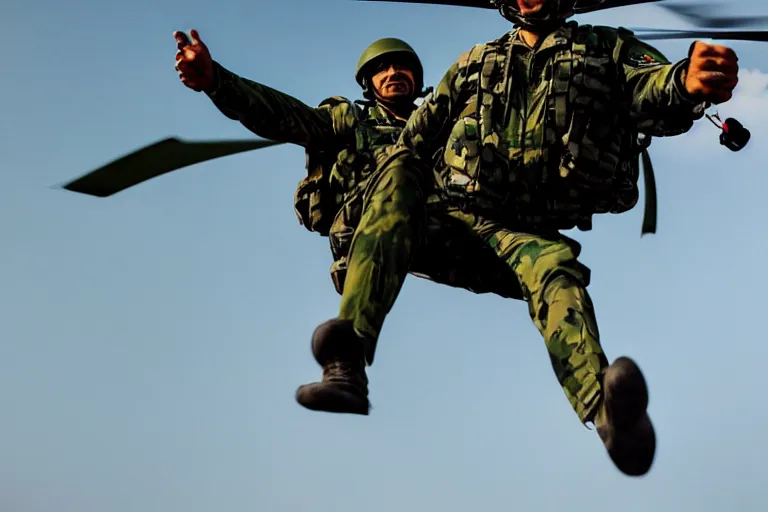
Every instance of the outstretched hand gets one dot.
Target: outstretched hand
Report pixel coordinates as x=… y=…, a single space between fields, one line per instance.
x=193 y=61
x=712 y=72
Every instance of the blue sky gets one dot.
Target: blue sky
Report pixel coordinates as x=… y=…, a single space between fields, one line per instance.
x=151 y=343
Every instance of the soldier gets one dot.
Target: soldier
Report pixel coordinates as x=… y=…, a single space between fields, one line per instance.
x=370 y=219
x=536 y=132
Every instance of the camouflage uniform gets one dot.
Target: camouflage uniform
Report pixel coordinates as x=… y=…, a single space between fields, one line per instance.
x=526 y=142
x=374 y=221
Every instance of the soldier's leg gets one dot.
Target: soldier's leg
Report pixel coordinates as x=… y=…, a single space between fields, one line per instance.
x=381 y=250
x=451 y=253
x=377 y=264
x=614 y=397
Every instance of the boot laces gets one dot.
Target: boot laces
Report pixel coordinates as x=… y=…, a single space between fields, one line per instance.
x=345 y=372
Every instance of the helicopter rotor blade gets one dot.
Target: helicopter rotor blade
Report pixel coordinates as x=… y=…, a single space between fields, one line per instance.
x=482 y=4
x=654 y=29
x=700 y=16
x=155 y=160
x=582 y=6
x=585 y=6
x=732 y=35
x=696 y=14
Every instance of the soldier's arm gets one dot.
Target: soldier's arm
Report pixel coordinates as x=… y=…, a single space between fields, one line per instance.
x=660 y=104
x=270 y=113
x=428 y=127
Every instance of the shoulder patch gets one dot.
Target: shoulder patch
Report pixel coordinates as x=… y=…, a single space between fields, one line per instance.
x=640 y=54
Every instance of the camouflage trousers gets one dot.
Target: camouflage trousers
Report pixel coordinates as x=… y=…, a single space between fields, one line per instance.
x=386 y=232
x=554 y=284
x=383 y=231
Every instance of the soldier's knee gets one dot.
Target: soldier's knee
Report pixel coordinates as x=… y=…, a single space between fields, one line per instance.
x=397 y=191
x=539 y=256
x=565 y=274
x=540 y=263
x=400 y=163
x=392 y=158
x=394 y=154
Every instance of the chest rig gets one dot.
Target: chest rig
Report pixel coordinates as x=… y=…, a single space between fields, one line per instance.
x=587 y=162
x=340 y=169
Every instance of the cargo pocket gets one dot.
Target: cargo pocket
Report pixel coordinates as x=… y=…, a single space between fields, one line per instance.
x=462 y=154
x=340 y=237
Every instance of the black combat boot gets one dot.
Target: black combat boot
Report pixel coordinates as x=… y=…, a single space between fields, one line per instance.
x=344 y=387
x=622 y=421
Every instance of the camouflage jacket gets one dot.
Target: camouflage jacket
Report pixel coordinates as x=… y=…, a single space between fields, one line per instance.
x=342 y=139
x=549 y=136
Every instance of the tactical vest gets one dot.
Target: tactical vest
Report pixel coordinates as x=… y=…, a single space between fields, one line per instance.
x=338 y=171
x=590 y=154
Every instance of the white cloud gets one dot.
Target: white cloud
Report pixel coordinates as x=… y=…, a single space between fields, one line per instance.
x=753 y=82
x=750 y=100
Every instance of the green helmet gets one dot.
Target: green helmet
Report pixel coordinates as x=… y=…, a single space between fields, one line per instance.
x=389 y=46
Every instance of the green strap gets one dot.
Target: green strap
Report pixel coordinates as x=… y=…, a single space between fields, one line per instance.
x=649 y=216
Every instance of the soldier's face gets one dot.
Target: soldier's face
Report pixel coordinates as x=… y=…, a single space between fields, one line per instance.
x=530 y=6
x=392 y=81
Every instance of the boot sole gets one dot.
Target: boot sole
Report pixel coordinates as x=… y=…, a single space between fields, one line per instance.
x=324 y=398
x=633 y=451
